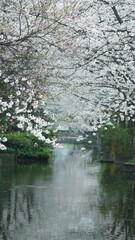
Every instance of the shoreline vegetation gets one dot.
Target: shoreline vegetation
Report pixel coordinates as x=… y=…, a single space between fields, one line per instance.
x=27 y=148
x=119 y=142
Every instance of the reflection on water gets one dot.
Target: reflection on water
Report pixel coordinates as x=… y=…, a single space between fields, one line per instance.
x=117 y=199
x=75 y=199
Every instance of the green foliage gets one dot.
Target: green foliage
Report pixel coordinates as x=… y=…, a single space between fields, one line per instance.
x=132 y=161
x=23 y=141
x=121 y=140
x=41 y=155
x=91 y=137
x=27 y=146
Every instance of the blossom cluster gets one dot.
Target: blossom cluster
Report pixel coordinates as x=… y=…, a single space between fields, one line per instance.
x=31 y=32
x=21 y=108
x=2 y=146
x=101 y=87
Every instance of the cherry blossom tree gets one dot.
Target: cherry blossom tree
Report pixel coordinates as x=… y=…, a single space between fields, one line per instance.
x=33 y=33
x=80 y=54
x=104 y=64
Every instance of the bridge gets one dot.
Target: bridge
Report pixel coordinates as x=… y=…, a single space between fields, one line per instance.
x=70 y=139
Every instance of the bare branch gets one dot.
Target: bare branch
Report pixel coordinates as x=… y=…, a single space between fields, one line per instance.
x=117 y=15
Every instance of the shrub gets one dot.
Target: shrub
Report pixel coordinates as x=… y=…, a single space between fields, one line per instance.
x=27 y=146
x=118 y=140
x=41 y=156
x=132 y=161
x=24 y=141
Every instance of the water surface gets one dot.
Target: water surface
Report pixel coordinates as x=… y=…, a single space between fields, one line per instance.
x=76 y=198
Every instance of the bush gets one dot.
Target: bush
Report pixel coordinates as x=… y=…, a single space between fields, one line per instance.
x=132 y=161
x=40 y=156
x=27 y=146
x=24 y=141
x=118 y=140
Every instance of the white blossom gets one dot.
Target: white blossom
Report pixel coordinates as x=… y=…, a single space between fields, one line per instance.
x=2 y=147
x=4 y=139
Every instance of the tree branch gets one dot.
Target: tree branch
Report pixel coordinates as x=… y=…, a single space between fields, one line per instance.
x=117 y=15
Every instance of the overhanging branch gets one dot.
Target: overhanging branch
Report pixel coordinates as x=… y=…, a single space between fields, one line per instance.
x=117 y=15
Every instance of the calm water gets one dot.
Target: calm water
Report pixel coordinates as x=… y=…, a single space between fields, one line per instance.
x=76 y=198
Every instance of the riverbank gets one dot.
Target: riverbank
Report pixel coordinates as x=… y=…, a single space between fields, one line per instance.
x=26 y=148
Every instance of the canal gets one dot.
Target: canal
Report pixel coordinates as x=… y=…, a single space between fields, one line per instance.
x=74 y=198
